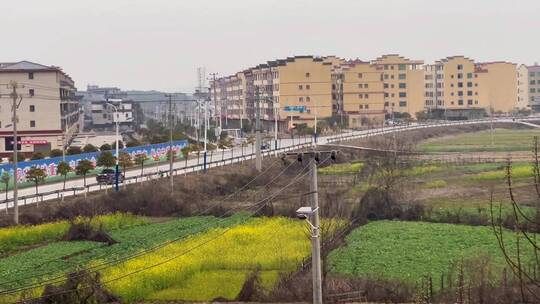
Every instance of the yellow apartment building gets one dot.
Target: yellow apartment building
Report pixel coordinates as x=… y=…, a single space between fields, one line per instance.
x=403 y=83
x=48 y=112
x=358 y=94
x=497 y=86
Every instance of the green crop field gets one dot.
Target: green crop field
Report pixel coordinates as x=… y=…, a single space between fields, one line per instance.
x=58 y=258
x=346 y=168
x=219 y=265
x=19 y=237
x=504 y=140
x=407 y=251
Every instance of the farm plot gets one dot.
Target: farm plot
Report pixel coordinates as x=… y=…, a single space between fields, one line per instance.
x=503 y=140
x=409 y=251
x=219 y=265
x=58 y=258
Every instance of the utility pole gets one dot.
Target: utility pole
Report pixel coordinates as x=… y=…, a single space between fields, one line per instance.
x=171 y=155
x=315 y=238
x=491 y=122
x=14 y=107
x=311 y=215
x=215 y=96
x=258 y=157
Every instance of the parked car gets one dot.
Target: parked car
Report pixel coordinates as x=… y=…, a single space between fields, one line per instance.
x=108 y=177
x=265 y=146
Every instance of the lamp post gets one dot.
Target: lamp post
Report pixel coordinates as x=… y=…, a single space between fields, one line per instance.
x=117 y=172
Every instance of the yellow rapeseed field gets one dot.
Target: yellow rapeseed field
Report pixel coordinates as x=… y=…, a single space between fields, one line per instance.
x=219 y=264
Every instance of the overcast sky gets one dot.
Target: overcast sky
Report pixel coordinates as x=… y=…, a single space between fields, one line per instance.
x=158 y=44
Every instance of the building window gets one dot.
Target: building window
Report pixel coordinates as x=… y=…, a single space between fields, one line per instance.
x=469 y=75
x=360 y=75
x=469 y=93
x=31 y=75
x=308 y=87
x=32 y=123
x=532 y=82
x=385 y=76
x=31 y=92
x=366 y=95
x=360 y=96
x=402 y=85
x=308 y=99
x=402 y=94
x=301 y=99
x=300 y=87
x=460 y=93
x=460 y=84
x=533 y=90
x=469 y=84
x=361 y=106
x=367 y=106
x=307 y=74
x=366 y=86
x=360 y=85
x=386 y=95
x=476 y=102
x=531 y=74
x=32 y=108
x=386 y=104
x=460 y=102
x=402 y=103
x=402 y=67
x=402 y=76
x=386 y=85
x=469 y=102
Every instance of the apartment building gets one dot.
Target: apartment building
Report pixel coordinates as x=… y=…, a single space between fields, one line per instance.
x=403 y=83
x=497 y=86
x=303 y=82
x=48 y=112
x=104 y=113
x=452 y=85
x=529 y=87
x=358 y=94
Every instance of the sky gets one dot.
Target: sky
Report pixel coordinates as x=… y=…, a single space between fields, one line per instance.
x=159 y=44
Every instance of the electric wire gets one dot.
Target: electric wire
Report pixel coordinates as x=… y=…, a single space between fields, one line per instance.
x=140 y=253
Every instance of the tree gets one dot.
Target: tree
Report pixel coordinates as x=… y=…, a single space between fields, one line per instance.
x=120 y=145
x=173 y=153
x=74 y=150
x=63 y=169
x=36 y=175
x=5 y=180
x=83 y=167
x=89 y=148
x=37 y=155
x=133 y=143
x=140 y=159
x=20 y=157
x=106 y=159
x=124 y=160
x=185 y=152
x=55 y=153
x=105 y=147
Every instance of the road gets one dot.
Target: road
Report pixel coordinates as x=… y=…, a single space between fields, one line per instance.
x=76 y=186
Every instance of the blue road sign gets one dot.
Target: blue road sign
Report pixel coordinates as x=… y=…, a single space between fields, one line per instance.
x=300 y=109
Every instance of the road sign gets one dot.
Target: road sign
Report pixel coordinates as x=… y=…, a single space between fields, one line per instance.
x=31 y=142
x=300 y=109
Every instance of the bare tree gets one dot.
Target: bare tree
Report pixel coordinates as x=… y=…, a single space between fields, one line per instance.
x=525 y=272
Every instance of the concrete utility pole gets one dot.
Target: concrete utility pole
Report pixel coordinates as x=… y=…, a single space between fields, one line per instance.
x=258 y=156
x=171 y=155
x=14 y=107
x=315 y=238
x=311 y=215
x=215 y=98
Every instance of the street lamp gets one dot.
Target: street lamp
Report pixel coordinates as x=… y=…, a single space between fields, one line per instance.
x=117 y=172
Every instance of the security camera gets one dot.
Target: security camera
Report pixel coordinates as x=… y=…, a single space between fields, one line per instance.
x=303 y=212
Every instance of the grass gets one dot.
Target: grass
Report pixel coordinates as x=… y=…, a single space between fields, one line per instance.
x=346 y=168
x=18 y=237
x=436 y=184
x=58 y=258
x=518 y=171
x=504 y=140
x=408 y=251
x=483 y=213
x=217 y=266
